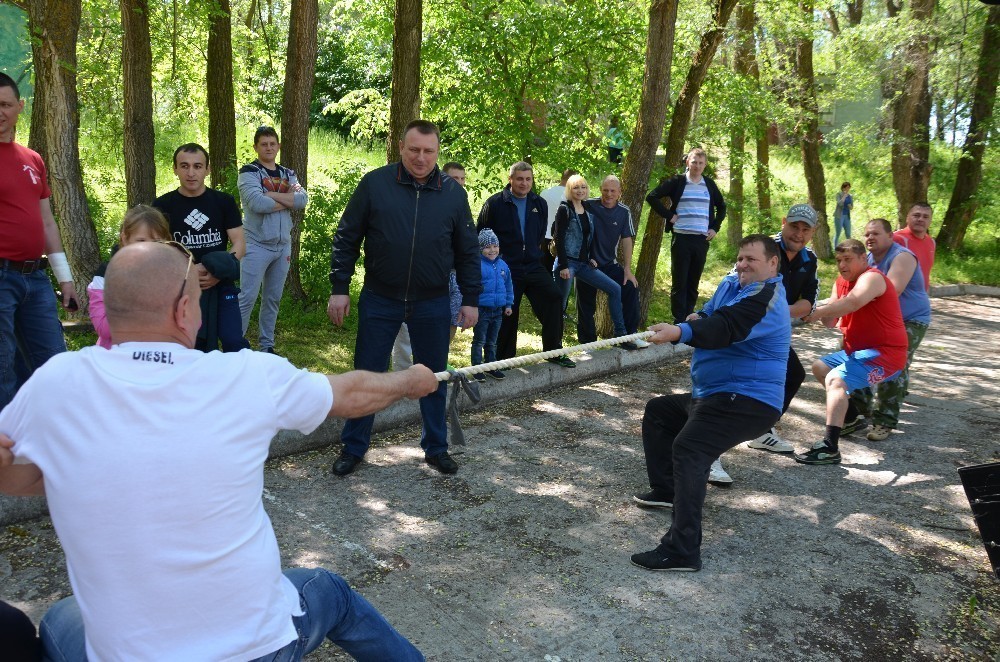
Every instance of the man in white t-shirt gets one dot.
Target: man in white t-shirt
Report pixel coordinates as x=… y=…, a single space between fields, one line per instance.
x=156 y=497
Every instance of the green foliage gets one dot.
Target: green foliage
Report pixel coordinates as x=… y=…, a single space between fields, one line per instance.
x=366 y=112
x=326 y=204
x=523 y=79
x=15 y=50
x=338 y=74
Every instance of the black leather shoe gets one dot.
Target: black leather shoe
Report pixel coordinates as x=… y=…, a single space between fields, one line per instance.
x=443 y=463
x=345 y=464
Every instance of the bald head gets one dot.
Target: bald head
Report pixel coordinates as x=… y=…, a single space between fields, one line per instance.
x=141 y=287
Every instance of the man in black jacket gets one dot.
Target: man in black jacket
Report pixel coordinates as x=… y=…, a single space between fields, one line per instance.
x=416 y=226
x=519 y=217
x=694 y=216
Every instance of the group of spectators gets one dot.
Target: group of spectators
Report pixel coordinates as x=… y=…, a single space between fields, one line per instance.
x=156 y=500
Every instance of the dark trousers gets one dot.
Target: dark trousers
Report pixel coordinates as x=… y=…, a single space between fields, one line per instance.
x=795 y=374
x=379 y=319
x=546 y=302
x=687 y=260
x=681 y=437
x=586 y=304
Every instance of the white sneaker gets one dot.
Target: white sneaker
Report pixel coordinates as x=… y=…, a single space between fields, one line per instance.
x=718 y=476
x=640 y=343
x=770 y=441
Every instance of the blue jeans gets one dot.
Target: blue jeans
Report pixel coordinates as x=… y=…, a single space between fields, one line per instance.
x=597 y=279
x=30 y=332
x=379 y=319
x=842 y=223
x=332 y=611
x=586 y=304
x=485 y=334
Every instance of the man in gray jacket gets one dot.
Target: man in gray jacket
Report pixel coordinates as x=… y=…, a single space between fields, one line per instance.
x=268 y=193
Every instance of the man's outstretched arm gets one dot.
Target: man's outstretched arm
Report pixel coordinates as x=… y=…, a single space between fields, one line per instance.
x=360 y=393
x=18 y=479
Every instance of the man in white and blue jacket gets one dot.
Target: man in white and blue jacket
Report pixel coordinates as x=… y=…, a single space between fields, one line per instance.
x=741 y=339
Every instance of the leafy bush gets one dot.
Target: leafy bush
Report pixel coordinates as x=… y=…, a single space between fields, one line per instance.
x=326 y=205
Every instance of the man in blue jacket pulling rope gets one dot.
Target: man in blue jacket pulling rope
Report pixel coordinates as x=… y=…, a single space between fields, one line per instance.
x=741 y=339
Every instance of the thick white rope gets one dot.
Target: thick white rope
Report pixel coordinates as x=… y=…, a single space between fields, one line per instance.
x=529 y=359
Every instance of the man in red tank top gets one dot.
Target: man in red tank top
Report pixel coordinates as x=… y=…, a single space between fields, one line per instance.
x=867 y=306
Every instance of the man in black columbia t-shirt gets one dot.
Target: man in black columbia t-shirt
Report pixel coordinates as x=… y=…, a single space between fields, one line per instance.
x=207 y=222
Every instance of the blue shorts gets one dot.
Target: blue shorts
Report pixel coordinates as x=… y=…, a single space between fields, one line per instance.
x=858 y=369
x=454 y=298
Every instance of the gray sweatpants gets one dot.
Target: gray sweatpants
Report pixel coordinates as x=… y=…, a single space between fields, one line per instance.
x=265 y=265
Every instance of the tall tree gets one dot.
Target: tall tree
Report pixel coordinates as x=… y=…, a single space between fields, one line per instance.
x=137 y=83
x=743 y=62
x=911 y=108
x=220 y=95
x=404 y=106
x=808 y=130
x=300 y=74
x=648 y=130
x=36 y=140
x=649 y=254
x=963 y=205
x=55 y=25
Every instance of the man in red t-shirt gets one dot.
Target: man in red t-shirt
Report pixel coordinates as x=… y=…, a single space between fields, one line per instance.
x=30 y=332
x=915 y=236
x=865 y=302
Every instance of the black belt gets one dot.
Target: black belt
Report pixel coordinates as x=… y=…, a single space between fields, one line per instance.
x=26 y=267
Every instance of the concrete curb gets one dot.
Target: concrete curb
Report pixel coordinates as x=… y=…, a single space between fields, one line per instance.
x=964 y=289
x=520 y=382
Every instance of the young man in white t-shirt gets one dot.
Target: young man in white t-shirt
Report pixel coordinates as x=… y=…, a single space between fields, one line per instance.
x=156 y=498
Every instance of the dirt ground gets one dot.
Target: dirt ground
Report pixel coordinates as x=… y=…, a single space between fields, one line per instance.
x=524 y=554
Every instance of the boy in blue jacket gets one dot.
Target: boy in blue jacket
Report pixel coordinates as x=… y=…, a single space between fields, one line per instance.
x=495 y=302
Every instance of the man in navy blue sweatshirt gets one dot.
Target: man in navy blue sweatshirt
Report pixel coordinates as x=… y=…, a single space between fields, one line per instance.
x=741 y=339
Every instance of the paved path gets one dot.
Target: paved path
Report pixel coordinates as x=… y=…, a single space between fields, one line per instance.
x=523 y=555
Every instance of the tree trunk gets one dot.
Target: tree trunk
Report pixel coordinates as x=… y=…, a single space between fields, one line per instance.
x=680 y=121
x=300 y=73
x=911 y=168
x=809 y=134
x=221 y=105
x=56 y=24
x=855 y=10
x=137 y=80
x=745 y=65
x=648 y=131
x=39 y=102
x=964 y=203
x=763 y=169
x=404 y=107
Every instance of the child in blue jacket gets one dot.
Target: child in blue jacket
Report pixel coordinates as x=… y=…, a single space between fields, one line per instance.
x=495 y=302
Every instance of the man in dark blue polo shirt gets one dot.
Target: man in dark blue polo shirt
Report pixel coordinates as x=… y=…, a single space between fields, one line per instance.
x=519 y=217
x=797 y=268
x=613 y=226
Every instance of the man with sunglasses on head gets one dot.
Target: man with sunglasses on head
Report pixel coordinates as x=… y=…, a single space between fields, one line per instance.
x=157 y=504
x=30 y=332
x=208 y=221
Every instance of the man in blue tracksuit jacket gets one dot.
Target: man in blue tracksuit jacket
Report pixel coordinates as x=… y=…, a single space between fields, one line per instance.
x=741 y=339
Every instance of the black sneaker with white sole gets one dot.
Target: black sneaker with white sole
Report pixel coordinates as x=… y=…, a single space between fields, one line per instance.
x=653 y=499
